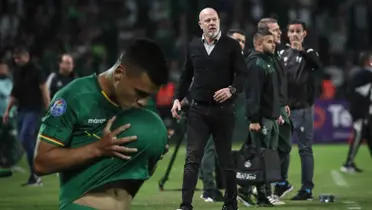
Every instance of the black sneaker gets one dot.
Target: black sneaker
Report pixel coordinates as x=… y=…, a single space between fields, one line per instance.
x=218 y=196
x=245 y=198
x=282 y=189
x=303 y=195
x=185 y=208
x=212 y=196
x=230 y=207
x=351 y=168
x=264 y=202
x=33 y=181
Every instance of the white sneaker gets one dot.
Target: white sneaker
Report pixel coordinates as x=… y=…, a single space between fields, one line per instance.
x=18 y=169
x=275 y=200
x=206 y=199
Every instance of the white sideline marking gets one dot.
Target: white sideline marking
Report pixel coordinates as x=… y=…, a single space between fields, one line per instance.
x=351 y=205
x=338 y=179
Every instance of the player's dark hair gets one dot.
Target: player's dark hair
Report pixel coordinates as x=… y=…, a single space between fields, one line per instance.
x=235 y=31
x=298 y=22
x=260 y=34
x=263 y=24
x=143 y=55
x=20 y=50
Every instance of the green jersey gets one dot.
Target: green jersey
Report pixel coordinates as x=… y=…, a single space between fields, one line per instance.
x=77 y=116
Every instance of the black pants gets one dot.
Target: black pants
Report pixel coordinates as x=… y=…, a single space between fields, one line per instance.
x=203 y=121
x=362 y=130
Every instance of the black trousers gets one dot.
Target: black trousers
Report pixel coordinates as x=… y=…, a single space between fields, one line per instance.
x=204 y=120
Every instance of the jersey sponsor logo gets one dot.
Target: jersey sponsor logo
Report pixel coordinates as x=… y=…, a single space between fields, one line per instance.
x=96 y=121
x=58 y=108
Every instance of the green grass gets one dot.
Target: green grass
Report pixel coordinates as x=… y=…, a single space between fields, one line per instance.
x=327 y=158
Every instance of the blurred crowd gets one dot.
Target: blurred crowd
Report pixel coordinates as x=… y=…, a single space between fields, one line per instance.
x=94 y=31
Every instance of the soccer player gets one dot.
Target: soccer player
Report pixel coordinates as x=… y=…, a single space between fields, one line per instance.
x=100 y=166
x=262 y=106
x=359 y=96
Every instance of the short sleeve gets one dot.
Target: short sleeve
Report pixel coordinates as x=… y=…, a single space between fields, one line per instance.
x=58 y=123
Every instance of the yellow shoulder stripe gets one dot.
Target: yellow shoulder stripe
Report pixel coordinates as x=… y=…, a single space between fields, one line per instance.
x=108 y=99
x=50 y=139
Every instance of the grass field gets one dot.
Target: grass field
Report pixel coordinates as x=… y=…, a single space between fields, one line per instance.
x=352 y=191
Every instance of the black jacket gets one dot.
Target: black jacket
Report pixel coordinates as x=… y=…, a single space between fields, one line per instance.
x=282 y=77
x=57 y=81
x=225 y=66
x=262 y=95
x=359 y=93
x=281 y=74
x=301 y=67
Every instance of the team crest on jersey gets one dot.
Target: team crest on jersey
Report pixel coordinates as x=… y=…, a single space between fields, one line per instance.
x=58 y=108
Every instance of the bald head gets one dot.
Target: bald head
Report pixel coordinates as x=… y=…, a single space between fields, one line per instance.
x=209 y=22
x=66 y=64
x=206 y=12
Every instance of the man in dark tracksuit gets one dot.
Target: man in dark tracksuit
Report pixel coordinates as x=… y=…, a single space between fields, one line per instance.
x=301 y=64
x=360 y=96
x=285 y=126
x=285 y=129
x=262 y=105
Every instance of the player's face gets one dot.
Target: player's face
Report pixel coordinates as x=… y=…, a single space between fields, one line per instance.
x=134 y=91
x=296 y=32
x=268 y=44
x=67 y=64
x=240 y=38
x=275 y=30
x=210 y=23
x=21 y=59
